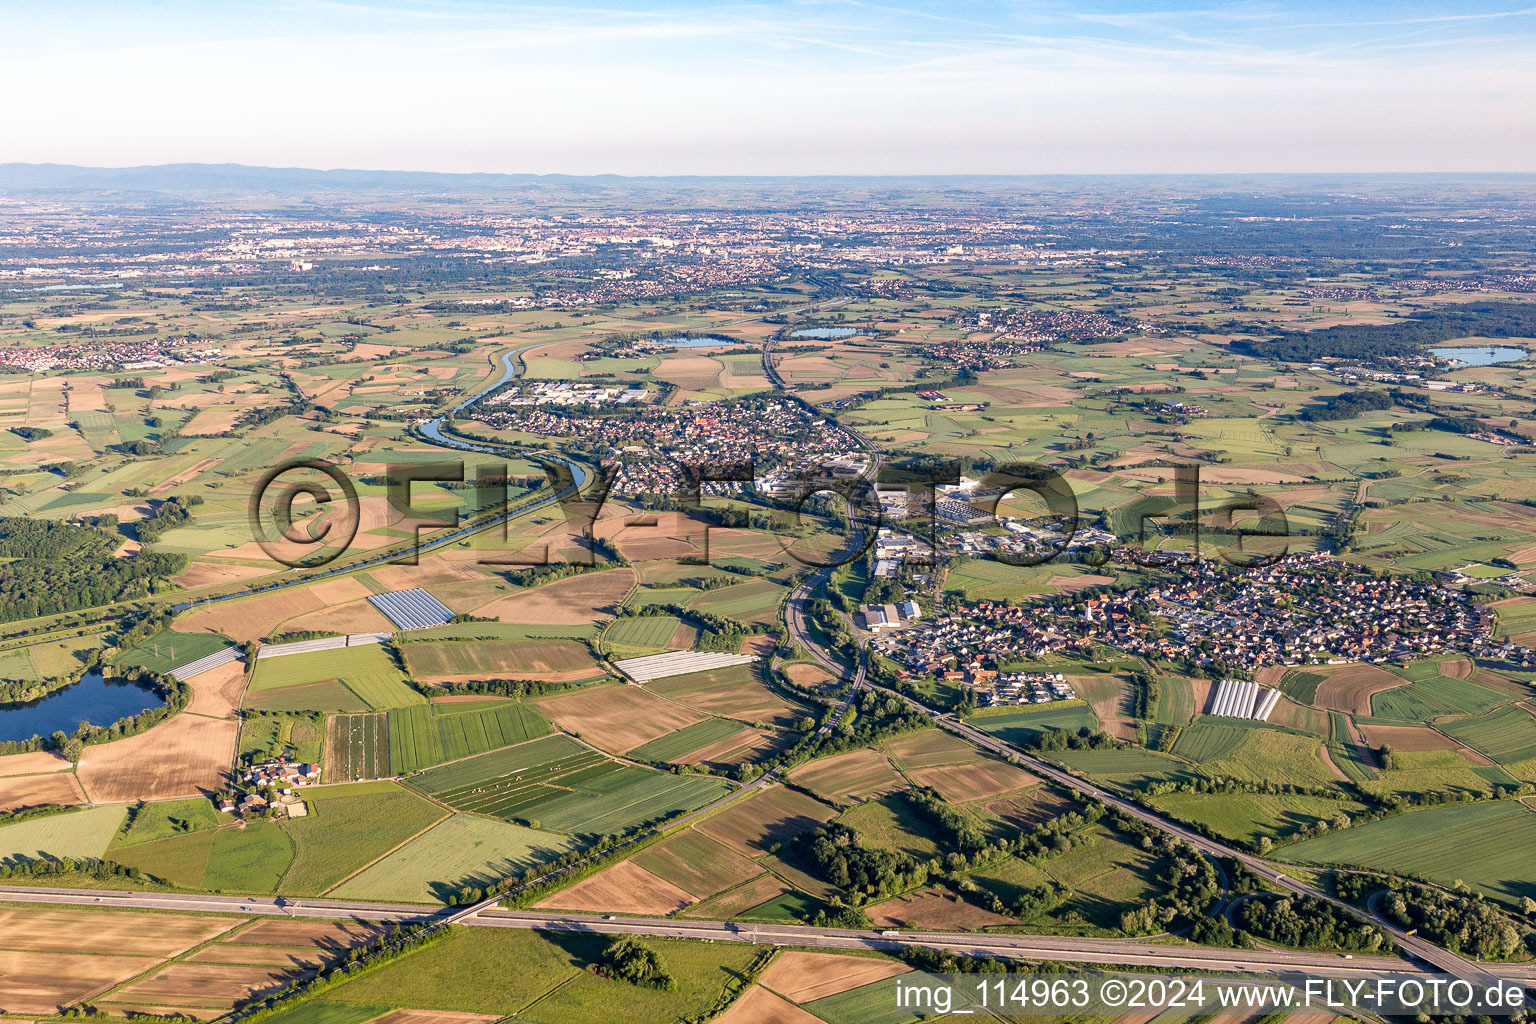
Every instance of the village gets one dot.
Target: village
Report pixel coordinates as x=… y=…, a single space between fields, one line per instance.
x=1303 y=609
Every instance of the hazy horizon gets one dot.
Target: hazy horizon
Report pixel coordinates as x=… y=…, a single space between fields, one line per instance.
x=781 y=88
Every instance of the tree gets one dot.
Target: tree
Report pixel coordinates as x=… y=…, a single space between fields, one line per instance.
x=628 y=959
x=73 y=748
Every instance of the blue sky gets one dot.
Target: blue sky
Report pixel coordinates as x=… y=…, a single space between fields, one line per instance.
x=774 y=88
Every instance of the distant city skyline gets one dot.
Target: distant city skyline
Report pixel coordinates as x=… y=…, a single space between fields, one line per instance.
x=775 y=88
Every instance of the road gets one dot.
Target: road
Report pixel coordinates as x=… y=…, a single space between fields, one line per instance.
x=1127 y=953
x=1421 y=949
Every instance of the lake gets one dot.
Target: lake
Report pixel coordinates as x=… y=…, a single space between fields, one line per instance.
x=1481 y=355
x=683 y=341
x=824 y=333
x=93 y=699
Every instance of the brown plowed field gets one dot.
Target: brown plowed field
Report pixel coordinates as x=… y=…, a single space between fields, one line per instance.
x=187 y=756
x=771 y=816
x=32 y=764
x=47 y=982
x=624 y=888
x=1406 y=737
x=727 y=905
x=961 y=783
x=1349 y=688
x=616 y=718
x=435 y=1017
x=743 y=746
x=251 y=618
x=852 y=777
x=216 y=692
x=802 y=976
x=807 y=675
x=932 y=909
x=322 y=934
x=202 y=984
x=20 y=791
x=125 y=933
x=759 y=1006
x=569 y=602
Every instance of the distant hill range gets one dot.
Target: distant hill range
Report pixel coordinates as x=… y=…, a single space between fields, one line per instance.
x=164 y=180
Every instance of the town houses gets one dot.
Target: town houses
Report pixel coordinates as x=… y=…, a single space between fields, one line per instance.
x=1302 y=609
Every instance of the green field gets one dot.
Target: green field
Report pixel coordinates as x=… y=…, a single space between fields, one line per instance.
x=250 y=859
x=153 y=822
x=1506 y=736
x=565 y=786
x=1020 y=726
x=298 y=737
x=332 y=696
x=462 y=850
x=1301 y=685
x=544 y=977
x=1272 y=755
x=1210 y=739
x=168 y=649
x=84 y=833
x=423 y=736
x=1430 y=698
x=686 y=740
x=1491 y=846
x=651 y=631
x=348 y=827
x=367 y=671
x=360 y=747
x=1249 y=816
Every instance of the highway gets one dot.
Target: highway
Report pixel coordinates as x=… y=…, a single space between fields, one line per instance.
x=1028 y=947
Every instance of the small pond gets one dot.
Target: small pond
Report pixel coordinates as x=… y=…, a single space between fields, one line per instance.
x=93 y=699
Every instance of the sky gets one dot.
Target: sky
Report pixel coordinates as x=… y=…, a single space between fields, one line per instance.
x=807 y=87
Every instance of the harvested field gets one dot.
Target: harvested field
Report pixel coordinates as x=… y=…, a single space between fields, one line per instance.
x=435 y=1017
x=742 y=898
x=46 y=983
x=22 y=791
x=851 y=777
x=216 y=692
x=185 y=757
x=576 y=600
x=251 y=618
x=1026 y=810
x=930 y=748
x=697 y=864
x=351 y=617
x=740 y=747
x=802 y=976
x=962 y=783
x=320 y=934
x=32 y=764
x=933 y=909
x=1456 y=668
x=759 y=1006
x=48 y=930
x=772 y=816
x=625 y=888
x=465 y=661
x=803 y=673
x=731 y=692
x=1349 y=688
x=616 y=718
x=1406 y=737
x=182 y=984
